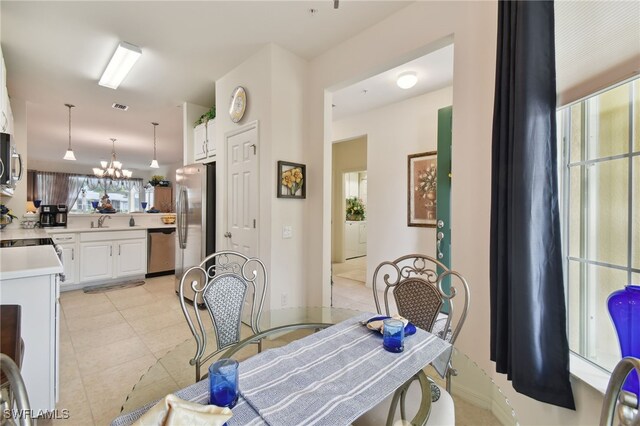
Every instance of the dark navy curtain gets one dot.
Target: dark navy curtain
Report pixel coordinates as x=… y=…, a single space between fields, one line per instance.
x=528 y=318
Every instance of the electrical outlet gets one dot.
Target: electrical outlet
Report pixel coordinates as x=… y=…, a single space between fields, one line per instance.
x=283 y=300
x=287 y=232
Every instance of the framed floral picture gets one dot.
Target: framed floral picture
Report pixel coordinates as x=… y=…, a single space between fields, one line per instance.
x=291 y=180
x=422 y=189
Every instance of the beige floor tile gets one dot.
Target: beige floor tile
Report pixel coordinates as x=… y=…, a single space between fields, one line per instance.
x=119 y=379
x=125 y=302
x=75 y=312
x=96 y=322
x=111 y=355
x=159 y=341
x=155 y=307
x=84 y=340
x=78 y=297
x=154 y=391
x=161 y=285
x=106 y=409
x=166 y=319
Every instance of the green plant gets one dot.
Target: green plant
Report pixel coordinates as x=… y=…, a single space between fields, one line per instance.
x=155 y=180
x=209 y=115
x=355 y=209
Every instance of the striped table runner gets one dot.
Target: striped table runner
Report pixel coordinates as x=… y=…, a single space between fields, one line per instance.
x=333 y=376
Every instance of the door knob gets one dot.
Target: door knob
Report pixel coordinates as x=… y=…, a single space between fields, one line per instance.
x=440 y=224
x=227 y=234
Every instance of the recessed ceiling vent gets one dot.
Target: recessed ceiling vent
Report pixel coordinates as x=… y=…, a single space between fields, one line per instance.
x=120 y=107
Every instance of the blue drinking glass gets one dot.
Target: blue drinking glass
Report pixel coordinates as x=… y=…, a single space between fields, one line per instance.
x=223 y=383
x=37 y=203
x=393 y=335
x=144 y=205
x=94 y=204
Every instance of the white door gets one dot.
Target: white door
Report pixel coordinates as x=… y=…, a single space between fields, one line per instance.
x=132 y=257
x=242 y=190
x=96 y=261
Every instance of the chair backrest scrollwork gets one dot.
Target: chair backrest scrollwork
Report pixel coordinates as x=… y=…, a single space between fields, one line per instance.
x=417 y=284
x=224 y=281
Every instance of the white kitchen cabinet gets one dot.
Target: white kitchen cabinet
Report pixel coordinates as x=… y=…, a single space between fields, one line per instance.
x=106 y=255
x=96 y=261
x=204 y=145
x=355 y=239
x=69 y=245
x=28 y=277
x=6 y=116
x=131 y=259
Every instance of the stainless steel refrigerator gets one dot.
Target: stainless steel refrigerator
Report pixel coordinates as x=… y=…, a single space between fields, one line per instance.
x=196 y=218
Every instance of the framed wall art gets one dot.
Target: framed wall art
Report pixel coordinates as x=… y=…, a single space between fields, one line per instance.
x=291 y=180
x=422 y=189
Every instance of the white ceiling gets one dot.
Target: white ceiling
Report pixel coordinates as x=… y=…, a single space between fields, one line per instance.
x=434 y=71
x=55 y=53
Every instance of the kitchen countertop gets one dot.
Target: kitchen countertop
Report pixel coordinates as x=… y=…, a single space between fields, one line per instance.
x=23 y=262
x=22 y=234
x=108 y=228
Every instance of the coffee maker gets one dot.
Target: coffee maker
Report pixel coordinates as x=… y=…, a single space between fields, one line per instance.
x=52 y=215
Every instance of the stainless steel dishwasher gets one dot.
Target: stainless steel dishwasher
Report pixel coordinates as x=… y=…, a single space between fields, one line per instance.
x=161 y=245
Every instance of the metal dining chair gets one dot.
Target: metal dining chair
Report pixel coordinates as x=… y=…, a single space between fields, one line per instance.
x=226 y=282
x=423 y=293
x=620 y=406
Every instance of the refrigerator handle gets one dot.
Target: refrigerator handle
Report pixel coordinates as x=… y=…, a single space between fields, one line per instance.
x=180 y=219
x=183 y=224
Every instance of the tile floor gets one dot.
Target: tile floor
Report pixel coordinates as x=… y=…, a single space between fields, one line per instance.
x=109 y=340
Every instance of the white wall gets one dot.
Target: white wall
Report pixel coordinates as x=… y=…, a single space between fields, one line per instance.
x=393 y=132
x=405 y=35
x=274 y=80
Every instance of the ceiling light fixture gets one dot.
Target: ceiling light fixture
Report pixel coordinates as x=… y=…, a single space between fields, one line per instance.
x=69 y=155
x=154 y=162
x=120 y=64
x=336 y=4
x=407 y=80
x=112 y=170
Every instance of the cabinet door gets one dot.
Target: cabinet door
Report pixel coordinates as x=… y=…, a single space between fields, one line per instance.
x=69 y=262
x=163 y=198
x=96 y=261
x=211 y=138
x=350 y=240
x=200 y=142
x=131 y=257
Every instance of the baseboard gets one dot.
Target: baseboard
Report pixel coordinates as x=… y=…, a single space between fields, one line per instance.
x=486 y=402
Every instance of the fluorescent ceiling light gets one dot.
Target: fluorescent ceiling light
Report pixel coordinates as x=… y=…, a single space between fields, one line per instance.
x=120 y=64
x=407 y=80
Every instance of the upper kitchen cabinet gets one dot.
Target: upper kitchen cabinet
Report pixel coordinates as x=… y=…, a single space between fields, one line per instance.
x=204 y=144
x=6 y=116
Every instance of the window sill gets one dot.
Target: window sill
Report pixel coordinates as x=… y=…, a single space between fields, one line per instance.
x=593 y=376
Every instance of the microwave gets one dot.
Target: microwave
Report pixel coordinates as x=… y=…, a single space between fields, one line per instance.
x=10 y=165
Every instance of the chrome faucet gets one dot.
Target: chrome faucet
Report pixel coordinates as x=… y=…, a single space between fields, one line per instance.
x=101 y=220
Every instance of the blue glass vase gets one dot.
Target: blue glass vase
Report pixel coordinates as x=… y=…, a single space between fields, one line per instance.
x=624 y=308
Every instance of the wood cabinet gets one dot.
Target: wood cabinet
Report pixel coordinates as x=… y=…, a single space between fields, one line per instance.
x=204 y=141
x=112 y=254
x=163 y=198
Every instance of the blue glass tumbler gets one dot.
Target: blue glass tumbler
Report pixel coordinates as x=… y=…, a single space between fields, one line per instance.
x=144 y=205
x=393 y=335
x=94 y=204
x=223 y=383
x=36 y=203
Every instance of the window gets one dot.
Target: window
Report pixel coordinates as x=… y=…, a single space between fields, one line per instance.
x=600 y=191
x=124 y=197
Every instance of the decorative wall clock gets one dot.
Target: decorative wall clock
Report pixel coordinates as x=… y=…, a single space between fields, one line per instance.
x=238 y=104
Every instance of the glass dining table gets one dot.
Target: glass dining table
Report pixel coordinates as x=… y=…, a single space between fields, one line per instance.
x=173 y=371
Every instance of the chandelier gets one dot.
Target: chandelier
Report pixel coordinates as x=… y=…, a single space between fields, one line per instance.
x=113 y=169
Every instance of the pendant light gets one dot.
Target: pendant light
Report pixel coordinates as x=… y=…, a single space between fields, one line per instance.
x=69 y=155
x=154 y=162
